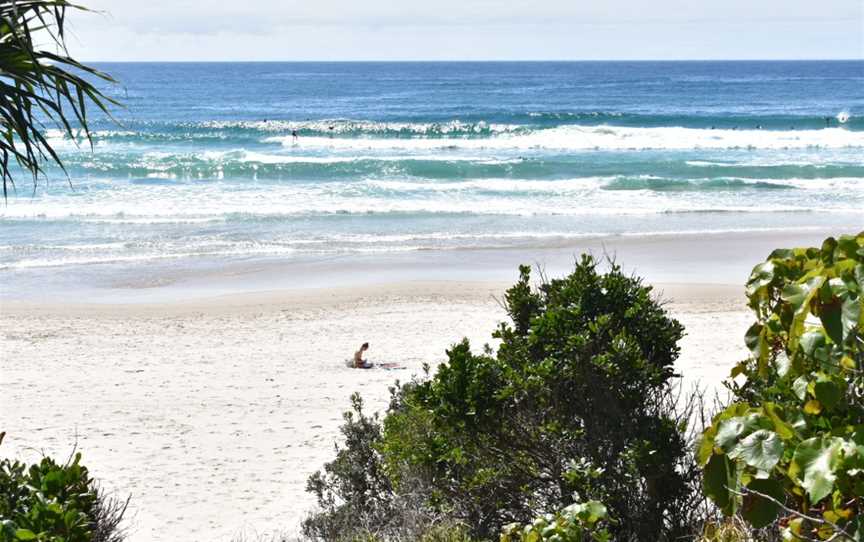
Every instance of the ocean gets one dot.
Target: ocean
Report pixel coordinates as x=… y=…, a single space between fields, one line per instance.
x=201 y=164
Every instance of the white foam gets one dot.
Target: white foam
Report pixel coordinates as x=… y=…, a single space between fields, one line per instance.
x=194 y=203
x=343 y=126
x=267 y=158
x=161 y=253
x=575 y=138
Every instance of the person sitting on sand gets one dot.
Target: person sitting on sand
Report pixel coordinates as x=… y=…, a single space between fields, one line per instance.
x=359 y=362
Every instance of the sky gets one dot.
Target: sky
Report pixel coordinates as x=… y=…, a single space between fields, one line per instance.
x=213 y=30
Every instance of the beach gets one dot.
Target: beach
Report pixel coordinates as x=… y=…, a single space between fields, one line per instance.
x=178 y=303
x=212 y=412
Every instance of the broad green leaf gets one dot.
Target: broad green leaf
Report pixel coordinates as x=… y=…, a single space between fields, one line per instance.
x=25 y=534
x=782 y=364
x=827 y=392
x=812 y=342
x=732 y=411
x=730 y=431
x=753 y=340
x=831 y=320
x=799 y=295
x=827 y=252
x=739 y=369
x=760 y=450
x=757 y=510
x=705 y=446
x=784 y=430
x=761 y=276
x=720 y=476
x=799 y=386
x=850 y=315
x=847 y=245
x=782 y=254
x=814 y=465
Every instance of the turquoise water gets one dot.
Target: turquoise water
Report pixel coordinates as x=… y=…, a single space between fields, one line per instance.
x=400 y=157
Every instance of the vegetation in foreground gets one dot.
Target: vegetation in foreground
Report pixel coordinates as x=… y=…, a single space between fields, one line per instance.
x=576 y=406
x=571 y=431
x=40 y=84
x=789 y=451
x=52 y=502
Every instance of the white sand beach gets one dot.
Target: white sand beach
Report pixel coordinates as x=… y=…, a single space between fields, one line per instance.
x=213 y=413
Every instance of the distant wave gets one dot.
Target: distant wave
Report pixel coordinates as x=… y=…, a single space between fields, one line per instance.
x=504 y=124
x=584 y=138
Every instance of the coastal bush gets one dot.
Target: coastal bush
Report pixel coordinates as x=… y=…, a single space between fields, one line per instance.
x=579 y=522
x=50 y=502
x=355 y=497
x=791 y=446
x=577 y=405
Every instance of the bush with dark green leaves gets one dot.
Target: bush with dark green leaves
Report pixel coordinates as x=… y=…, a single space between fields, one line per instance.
x=789 y=451
x=354 y=495
x=50 y=502
x=576 y=405
x=578 y=522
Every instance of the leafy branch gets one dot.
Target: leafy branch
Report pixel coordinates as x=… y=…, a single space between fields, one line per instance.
x=837 y=530
x=39 y=87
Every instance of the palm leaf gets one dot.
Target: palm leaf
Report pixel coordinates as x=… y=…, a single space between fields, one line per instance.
x=39 y=86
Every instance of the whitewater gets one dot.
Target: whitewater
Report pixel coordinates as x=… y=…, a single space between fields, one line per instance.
x=250 y=161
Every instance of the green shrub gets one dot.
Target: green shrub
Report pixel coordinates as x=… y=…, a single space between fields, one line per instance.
x=792 y=445
x=579 y=522
x=49 y=502
x=575 y=406
x=355 y=498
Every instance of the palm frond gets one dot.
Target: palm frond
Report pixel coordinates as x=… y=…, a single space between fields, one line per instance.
x=38 y=86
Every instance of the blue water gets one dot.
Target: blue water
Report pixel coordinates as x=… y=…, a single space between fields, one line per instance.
x=399 y=157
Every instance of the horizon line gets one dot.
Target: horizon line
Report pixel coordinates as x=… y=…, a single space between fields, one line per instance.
x=408 y=61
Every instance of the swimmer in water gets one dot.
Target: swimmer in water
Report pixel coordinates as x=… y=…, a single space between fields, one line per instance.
x=294 y=136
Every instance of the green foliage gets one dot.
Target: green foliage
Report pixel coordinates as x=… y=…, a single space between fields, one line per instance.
x=355 y=497
x=579 y=522
x=795 y=436
x=575 y=406
x=37 y=85
x=353 y=485
x=49 y=502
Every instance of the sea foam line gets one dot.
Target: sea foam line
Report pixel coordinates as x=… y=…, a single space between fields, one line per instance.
x=574 y=138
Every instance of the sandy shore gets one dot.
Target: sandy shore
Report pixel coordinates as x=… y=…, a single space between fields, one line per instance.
x=213 y=413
